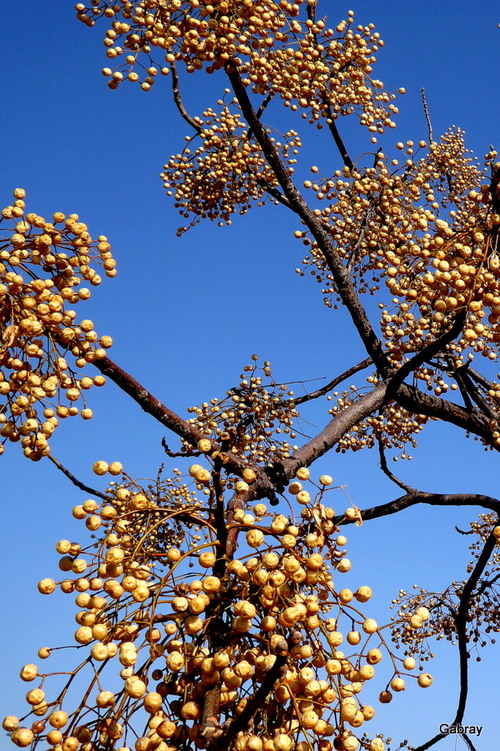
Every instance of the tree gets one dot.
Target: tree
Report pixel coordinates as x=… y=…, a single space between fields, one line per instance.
x=211 y=603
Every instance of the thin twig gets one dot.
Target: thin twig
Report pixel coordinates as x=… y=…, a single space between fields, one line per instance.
x=179 y=103
x=273 y=192
x=335 y=382
x=260 y=111
x=427 y=115
x=75 y=481
x=487 y=583
x=385 y=469
x=332 y=126
x=175 y=454
x=472 y=390
x=468 y=742
x=426 y=353
x=415 y=497
x=461 y=624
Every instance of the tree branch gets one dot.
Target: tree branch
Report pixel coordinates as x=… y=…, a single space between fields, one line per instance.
x=461 y=624
x=414 y=400
x=75 y=481
x=335 y=382
x=341 y=276
x=414 y=497
x=332 y=126
x=176 y=424
x=427 y=114
x=474 y=393
x=147 y=401
x=427 y=352
x=385 y=469
x=335 y=429
x=179 y=103
x=223 y=741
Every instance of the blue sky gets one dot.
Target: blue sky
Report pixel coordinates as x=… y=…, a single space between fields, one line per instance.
x=186 y=314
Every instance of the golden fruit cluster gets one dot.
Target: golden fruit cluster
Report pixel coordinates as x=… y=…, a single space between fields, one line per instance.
x=255 y=419
x=278 y=47
x=427 y=230
x=394 y=426
x=160 y=602
x=227 y=172
x=482 y=622
x=198 y=33
x=325 y=73
x=43 y=267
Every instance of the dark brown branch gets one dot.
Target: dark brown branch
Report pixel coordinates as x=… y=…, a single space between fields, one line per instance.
x=461 y=619
x=458 y=376
x=487 y=583
x=332 y=126
x=75 y=481
x=427 y=353
x=461 y=624
x=176 y=454
x=220 y=518
x=335 y=429
x=474 y=393
x=152 y=406
x=148 y=402
x=414 y=400
x=241 y=721
x=260 y=111
x=427 y=115
x=332 y=384
x=179 y=103
x=341 y=276
x=414 y=497
x=385 y=469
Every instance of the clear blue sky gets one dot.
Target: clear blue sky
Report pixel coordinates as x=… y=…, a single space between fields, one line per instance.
x=186 y=314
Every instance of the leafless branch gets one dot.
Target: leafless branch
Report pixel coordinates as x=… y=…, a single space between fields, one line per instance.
x=471 y=389
x=414 y=497
x=332 y=126
x=385 y=469
x=75 y=481
x=427 y=115
x=261 y=111
x=461 y=624
x=427 y=352
x=414 y=400
x=178 y=100
x=332 y=384
x=241 y=721
x=152 y=406
x=341 y=276
x=335 y=429
x=176 y=454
